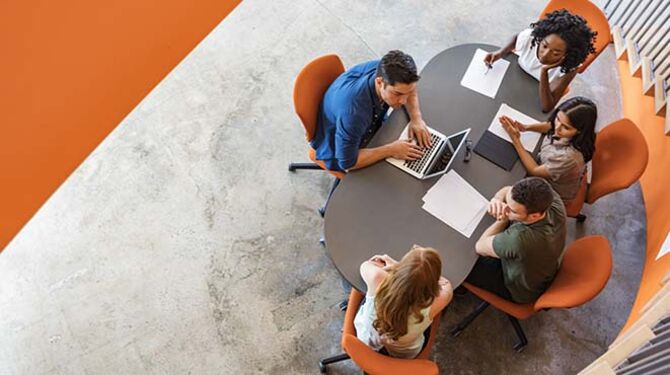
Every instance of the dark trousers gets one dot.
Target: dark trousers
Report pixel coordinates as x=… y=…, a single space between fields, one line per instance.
x=488 y=274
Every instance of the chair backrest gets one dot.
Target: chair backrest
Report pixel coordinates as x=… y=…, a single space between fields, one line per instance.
x=586 y=267
x=619 y=160
x=595 y=18
x=374 y=363
x=574 y=207
x=310 y=85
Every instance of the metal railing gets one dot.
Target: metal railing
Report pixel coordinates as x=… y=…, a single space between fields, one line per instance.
x=641 y=34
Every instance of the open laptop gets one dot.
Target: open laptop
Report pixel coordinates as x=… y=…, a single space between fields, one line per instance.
x=436 y=159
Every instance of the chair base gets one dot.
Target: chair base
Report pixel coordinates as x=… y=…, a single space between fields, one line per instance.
x=333 y=186
x=518 y=347
x=336 y=358
x=293 y=166
x=458 y=329
x=523 y=341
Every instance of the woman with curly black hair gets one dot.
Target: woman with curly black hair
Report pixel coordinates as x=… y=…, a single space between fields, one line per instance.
x=571 y=141
x=551 y=50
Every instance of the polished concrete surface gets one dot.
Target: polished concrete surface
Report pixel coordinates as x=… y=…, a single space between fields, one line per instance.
x=182 y=245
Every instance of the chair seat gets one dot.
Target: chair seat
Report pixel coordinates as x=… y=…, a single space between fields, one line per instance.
x=519 y=311
x=320 y=163
x=375 y=363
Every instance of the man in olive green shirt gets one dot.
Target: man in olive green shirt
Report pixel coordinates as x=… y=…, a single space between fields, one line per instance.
x=521 y=251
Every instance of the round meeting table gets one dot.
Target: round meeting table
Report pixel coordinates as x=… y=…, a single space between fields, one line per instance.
x=378 y=209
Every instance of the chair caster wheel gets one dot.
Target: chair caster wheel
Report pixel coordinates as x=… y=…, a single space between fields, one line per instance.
x=519 y=348
x=456 y=332
x=322 y=368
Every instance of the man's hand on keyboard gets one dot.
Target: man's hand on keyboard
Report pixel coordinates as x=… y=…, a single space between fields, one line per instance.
x=418 y=130
x=405 y=150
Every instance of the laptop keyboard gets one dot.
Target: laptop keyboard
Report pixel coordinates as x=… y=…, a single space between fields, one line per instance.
x=418 y=165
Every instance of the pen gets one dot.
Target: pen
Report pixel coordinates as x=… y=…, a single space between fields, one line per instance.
x=488 y=68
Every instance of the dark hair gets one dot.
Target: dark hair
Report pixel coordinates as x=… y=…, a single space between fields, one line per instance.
x=583 y=114
x=534 y=193
x=397 y=67
x=573 y=30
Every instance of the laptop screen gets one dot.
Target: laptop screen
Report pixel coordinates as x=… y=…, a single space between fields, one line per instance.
x=455 y=140
x=447 y=152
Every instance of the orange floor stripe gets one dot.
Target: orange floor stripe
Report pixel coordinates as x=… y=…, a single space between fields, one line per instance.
x=70 y=71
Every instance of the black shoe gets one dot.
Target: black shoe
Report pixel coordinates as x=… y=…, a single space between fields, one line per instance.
x=343 y=305
x=460 y=291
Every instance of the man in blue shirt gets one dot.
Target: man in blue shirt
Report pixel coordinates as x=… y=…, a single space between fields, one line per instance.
x=354 y=107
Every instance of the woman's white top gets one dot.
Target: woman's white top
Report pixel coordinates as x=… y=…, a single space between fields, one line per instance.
x=407 y=346
x=528 y=60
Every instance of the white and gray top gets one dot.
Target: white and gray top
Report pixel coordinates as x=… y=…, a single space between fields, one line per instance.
x=565 y=165
x=407 y=346
x=528 y=60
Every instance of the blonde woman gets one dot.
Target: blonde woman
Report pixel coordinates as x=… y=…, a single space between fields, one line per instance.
x=402 y=300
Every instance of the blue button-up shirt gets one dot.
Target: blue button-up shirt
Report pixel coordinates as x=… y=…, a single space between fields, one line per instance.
x=350 y=113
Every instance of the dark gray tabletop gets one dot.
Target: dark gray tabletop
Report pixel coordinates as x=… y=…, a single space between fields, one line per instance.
x=377 y=210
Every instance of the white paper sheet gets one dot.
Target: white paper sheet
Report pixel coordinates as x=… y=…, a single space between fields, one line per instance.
x=480 y=78
x=665 y=248
x=456 y=203
x=528 y=139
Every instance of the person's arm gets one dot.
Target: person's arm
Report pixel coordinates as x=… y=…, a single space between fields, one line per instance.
x=491 y=57
x=417 y=128
x=400 y=149
x=484 y=245
x=442 y=299
x=373 y=273
x=527 y=160
x=551 y=93
x=541 y=127
x=348 y=139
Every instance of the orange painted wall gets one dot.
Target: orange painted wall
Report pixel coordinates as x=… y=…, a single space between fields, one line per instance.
x=655 y=184
x=70 y=71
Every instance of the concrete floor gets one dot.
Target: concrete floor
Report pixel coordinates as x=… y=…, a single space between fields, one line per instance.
x=183 y=246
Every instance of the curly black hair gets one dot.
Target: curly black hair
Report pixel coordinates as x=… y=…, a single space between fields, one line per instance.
x=583 y=115
x=573 y=30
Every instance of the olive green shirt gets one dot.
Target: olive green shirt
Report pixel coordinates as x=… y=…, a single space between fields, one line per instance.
x=530 y=253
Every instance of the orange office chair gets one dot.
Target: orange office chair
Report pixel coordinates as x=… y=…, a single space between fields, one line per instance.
x=586 y=267
x=310 y=86
x=374 y=363
x=595 y=18
x=612 y=169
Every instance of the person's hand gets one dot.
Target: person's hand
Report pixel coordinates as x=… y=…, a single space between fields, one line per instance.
x=418 y=130
x=509 y=127
x=388 y=262
x=491 y=57
x=377 y=260
x=405 y=149
x=497 y=209
x=552 y=66
x=521 y=127
x=444 y=284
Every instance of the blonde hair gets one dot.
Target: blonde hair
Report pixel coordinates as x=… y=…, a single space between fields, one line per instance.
x=410 y=286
